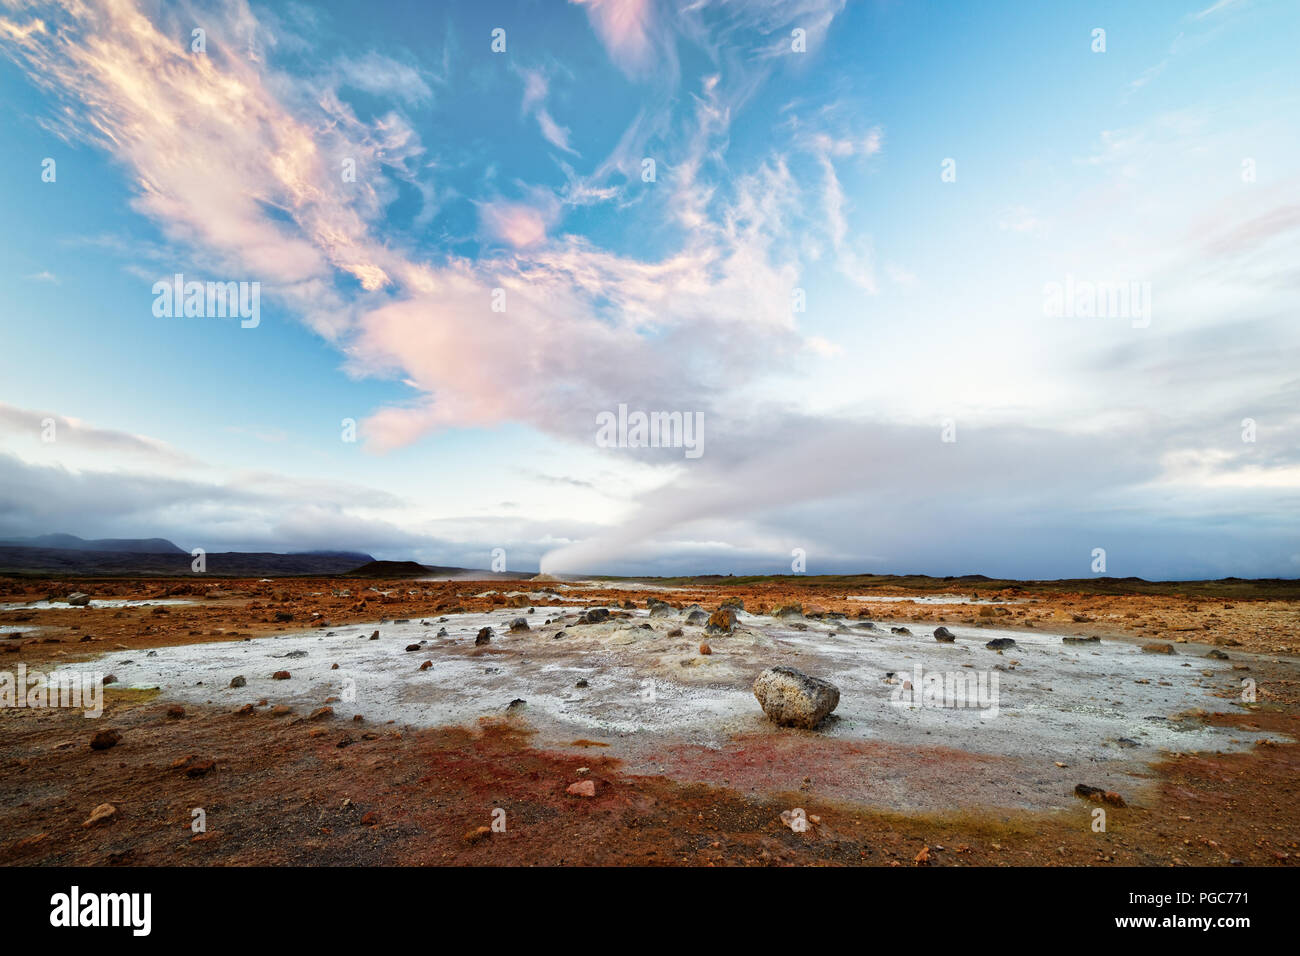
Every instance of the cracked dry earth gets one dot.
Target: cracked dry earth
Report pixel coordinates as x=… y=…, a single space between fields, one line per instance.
x=408 y=748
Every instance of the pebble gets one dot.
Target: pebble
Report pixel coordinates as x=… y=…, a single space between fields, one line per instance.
x=104 y=811
x=105 y=739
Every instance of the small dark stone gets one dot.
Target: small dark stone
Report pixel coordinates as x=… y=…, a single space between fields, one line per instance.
x=105 y=739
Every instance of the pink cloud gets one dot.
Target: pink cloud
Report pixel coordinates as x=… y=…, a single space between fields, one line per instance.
x=234 y=159
x=624 y=28
x=516 y=224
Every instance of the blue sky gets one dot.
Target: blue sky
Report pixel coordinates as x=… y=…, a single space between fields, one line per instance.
x=1166 y=162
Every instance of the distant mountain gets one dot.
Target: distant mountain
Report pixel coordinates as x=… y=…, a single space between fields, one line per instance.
x=360 y=557
x=70 y=542
x=19 y=559
x=389 y=569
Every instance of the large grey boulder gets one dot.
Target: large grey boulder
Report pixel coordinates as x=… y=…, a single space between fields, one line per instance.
x=660 y=608
x=79 y=599
x=793 y=699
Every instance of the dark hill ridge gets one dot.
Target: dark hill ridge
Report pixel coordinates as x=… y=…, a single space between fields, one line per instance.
x=70 y=542
x=389 y=569
x=19 y=560
x=357 y=557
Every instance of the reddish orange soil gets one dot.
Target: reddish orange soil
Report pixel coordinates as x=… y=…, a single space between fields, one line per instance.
x=293 y=790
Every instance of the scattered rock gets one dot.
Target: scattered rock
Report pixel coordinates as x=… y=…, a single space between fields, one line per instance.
x=583 y=788
x=1217 y=655
x=519 y=624
x=320 y=713
x=1098 y=795
x=478 y=835
x=795 y=820
x=721 y=621
x=105 y=739
x=676 y=632
x=175 y=712
x=1158 y=647
x=582 y=682
x=788 y=612
x=697 y=618
x=79 y=599
x=791 y=698
x=105 y=811
x=412 y=647
x=1000 y=643
x=485 y=636
x=705 y=649
x=900 y=630
x=1081 y=640
x=238 y=681
x=280 y=675
x=594 y=615
x=944 y=635
x=426 y=665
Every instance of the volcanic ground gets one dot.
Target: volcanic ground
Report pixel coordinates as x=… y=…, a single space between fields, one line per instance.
x=423 y=745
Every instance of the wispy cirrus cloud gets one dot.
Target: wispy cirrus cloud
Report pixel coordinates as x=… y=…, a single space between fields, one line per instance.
x=536 y=90
x=236 y=160
x=1218 y=7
